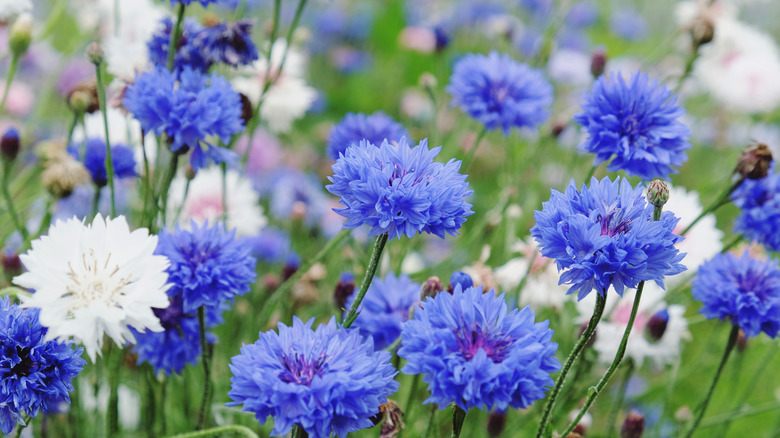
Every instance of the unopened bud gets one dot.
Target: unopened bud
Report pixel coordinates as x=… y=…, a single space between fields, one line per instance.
x=702 y=31
x=247 y=111
x=9 y=144
x=634 y=426
x=62 y=174
x=344 y=288
x=442 y=38
x=754 y=161
x=598 y=62
x=431 y=288
x=20 y=35
x=270 y=282
x=393 y=423
x=190 y=172
x=460 y=278
x=683 y=415
x=742 y=341
x=12 y=265
x=657 y=193
x=575 y=434
x=428 y=80
x=83 y=98
x=496 y=423
x=291 y=267
x=95 y=53
x=558 y=128
x=656 y=326
x=583 y=424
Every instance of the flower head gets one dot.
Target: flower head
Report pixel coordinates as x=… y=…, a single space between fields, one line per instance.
x=500 y=92
x=94 y=160
x=97 y=279
x=604 y=235
x=759 y=202
x=385 y=307
x=228 y=43
x=188 y=52
x=473 y=352
x=400 y=190
x=743 y=289
x=328 y=380
x=637 y=122
x=36 y=373
x=208 y=264
x=188 y=107
x=374 y=128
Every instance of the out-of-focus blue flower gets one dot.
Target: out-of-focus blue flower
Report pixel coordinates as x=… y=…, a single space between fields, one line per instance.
x=461 y=278
x=271 y=245
x=400 y=190
x=328 y=381
x=539 y=9
x=636 y=122
x=228 y=43
x=355 y=127
x=604 y=235
x=94 y=160
x=582 y=14
x=743 y=289
x=188 y=52
x=385 y=307
x=349 y=60
x=294 y=193
x=628 y=24
x=500 y=92
x=208 y=264
x=79 y=203
x=472 y=352
x=36 y=374
x=759 y=202
x=205 y=3
x=188 y=111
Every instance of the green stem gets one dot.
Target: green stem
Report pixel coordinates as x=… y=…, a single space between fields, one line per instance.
x=96 y=201
x=524 y=280
x=756 y=375
x=205 y=349
x=109 y=163
x=299 y=432
x=467 y=162
x=594 y=392
x=76 y=117
x=240 y=10
x=621 y=397
x=601 y=300
x=733 y=243
x=8 y=80
x=590 y=174
x=373 y=263
x=112 y=424
x=184 y=199
x=19 y=430
x=150 y=405
x=458 y=417
x=431 y=422
x=290 y=33
x=722 y=200
x=741 y=413
x=409 y=405
x=729 y=347
x=166 y=185
x=687 y=71
x=10 y=204
x=218 y=432
x=175 y=35
x=224 y=195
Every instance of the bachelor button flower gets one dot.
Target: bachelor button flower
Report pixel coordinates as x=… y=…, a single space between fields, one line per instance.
x=605 y=236
x=500 y=92
x=91 y=280
x=94 y=160
x=188 y=108
x=189 y=53
x=472 y=352
x=743 y=289
x=400 y=190
x=228 y=43
x=759 y=202
x=328 y=380
x=637 y=122
x=209 y=265
x=385 y=307
x=36 y=373
x=374 y=128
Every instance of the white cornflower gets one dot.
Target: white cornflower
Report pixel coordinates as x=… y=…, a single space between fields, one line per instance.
x=204 y=201
x=11 y=8
x=91 y=280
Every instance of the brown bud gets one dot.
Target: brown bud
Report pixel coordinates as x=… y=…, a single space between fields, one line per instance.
x=9 y=144
x=270 y=282
x=12 y=265
x=344 y=288
x=62 y=174
x=95 y=53
x=83 y=98
x=431 y=287
x=702 y=30
x=656 y=326
x=496 y=423
x=557 y=128
x=211 y=20
x=247 y=110
x=634 y=426
x=657 y=193
x=598 y=62
x=754 y=161
x=742 y=341
x=190 y=172
x=393 y=422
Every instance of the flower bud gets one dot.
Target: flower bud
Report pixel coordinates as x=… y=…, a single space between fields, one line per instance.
x=12 y=265
x=656 y=326
x=657 y=193
x=270 y=282
x=393 y=423
x=742 y=341
x=754 y=161
x=247 y=111
x=442 y=38
x=344 y=288
x=583 y=425
x=9 y=145
x=431 y=287
x=95 y=53
x=558 y=128
x=190 y=172
x=496 y=423
x=291 y=266
x=428 y=80
x=684 y=414
x=83 y=98
x=634 y=426
x=702 y=31
x=460 y=278
x=62 y=174
x=598 y=62
x=20 y=35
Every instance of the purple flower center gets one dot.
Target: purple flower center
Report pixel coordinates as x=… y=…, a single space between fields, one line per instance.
x=751 y=283
x=470 y=342
x=26 y=365
x=612 y=224
x=301 y=370
x=170 y=317
x=630 y=127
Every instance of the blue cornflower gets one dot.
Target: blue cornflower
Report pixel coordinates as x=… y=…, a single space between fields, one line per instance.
x=328 y=380
x=355 y=127
x=228 y=43
x=629 y=24
x=472 y=352
x=205 y=3
x=208 y=264
x=743 y=289
x=461 y=278
x=400 y=190
x=759 y=202
x=94 y=160
x=637 y=122
x=604 y=235
x=385 y=307
x=500 y=92
x=36 y=373
x=187 y=111
x=271 y=245
x=189 y=52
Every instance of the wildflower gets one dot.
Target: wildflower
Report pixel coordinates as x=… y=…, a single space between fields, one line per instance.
x=374 y=128
x=637 y=123
x=188 y=52
x=327 y=381
x=385 y=307
x=36 y=372
x=500 y=92
x=400 y=190
x=9 y=145
x=743 y=289
x=228 y=43
x=474 y=353
x=270 y=245
x=91 y=280
x=604 y=235
x=94 y=160
x=62 y=173
x=759 y=203
x=205 y=3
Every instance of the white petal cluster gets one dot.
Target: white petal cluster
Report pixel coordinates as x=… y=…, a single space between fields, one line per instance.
x=541 y=288
x=12 y=8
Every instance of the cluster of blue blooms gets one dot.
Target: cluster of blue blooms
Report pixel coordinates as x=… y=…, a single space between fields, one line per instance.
x=353 y=128
x=94 y=158
x=188 y=53
x=759 y=202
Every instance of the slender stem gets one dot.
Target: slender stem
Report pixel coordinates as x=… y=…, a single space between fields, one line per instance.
x=458 y=416
x=166 y=185
x=109 y=162
x=96 y=201
x=9 y=79
x=601 y=300
x=218 y=432
x=205 y=350
x=467 y=162
x=184 y=199
x=524 y=280
x=741 y=413
x=290 y=33
x=299 y=432
x=722 y=199
x=431 y=422
x=175 y=35
x=732 y=244
x=615 y=362
x=621 y=397
x=9 y=203
x=729 y=347
x=373 y=263
x=240 y=10
x=591 y=172
x=150 y=405
x=687 y=71
x=112 y=423
x=409 y=405
x=224 y=195
x=757 y=374
x=19 y=430
x=148 y=218
x=76 y=117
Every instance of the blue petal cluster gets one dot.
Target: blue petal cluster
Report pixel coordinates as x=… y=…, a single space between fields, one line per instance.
x=400 y=190
x=228 y=43
x=328 y=381
x=208 y=264
x=385 y=307
x=94 y=159
x=374 y=128
x=36 y=374
x=187 y=110
x=604 y=235
x=189 y=52
x=743 y=289
x=636 y=122
x=500 y=92
x=472 y=352
x=759 y=202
